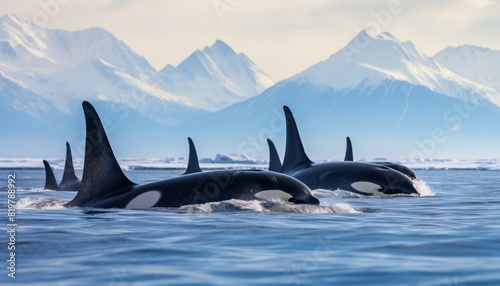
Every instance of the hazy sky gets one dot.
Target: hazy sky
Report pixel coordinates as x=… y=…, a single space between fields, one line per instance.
x=283 y=37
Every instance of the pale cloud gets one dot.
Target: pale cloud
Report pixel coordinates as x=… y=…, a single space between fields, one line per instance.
x=282 y=36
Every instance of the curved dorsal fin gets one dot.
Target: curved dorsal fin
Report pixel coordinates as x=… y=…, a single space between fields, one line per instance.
x=274 y=158
x=69 y=170
x=50 y=179
x=295 y=156
x=101 y=172
x=193 y=165
x=348 y=150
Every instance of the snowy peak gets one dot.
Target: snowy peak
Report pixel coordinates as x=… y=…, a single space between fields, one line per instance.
x=473 y=63
x=220 y=48
x=370 y=59
x=14 y=22
x=386 y=47
x=229 y=76
x=39 y=50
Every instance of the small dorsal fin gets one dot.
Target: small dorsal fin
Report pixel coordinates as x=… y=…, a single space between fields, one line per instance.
x=295 y=156
x=348 y=150
x=50 y=179
x=193 y=165
x=274 y=158
x=101 y=172
x=69 y=170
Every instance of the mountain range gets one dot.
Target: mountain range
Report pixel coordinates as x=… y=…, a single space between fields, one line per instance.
x=391 y=98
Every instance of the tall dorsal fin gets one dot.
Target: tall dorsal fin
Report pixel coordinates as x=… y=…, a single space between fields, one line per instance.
x=101 y=172
x=69 y=170
x=274 y=158
x=295 y=156
x=50 y=179
x=348 y=150
x=193 y=165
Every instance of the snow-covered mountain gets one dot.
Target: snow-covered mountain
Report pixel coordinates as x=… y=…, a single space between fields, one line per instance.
x=382 y=57
x=45 y=74
x=66 y=67
x=474 y=63
x=63 y=68
x=386 y=94
x=218 y=70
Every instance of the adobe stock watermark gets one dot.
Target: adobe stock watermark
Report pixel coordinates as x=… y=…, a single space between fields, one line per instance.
x=489 y=81
x=48 y=9
x=121 y=109
x=455 y=117
x=222 y=7
x=301 y=272
x=381 y=20
x=258 y=142
x=12 y=225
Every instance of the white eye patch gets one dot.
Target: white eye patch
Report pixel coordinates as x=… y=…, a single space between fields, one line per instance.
x=270 y=195
x=367 y=187
x=144 y=200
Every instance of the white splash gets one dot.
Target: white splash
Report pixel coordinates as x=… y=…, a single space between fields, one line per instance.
x=335 y=208
x=229 y=205
x=324 y=193
x=40 y=203
x=423 y=189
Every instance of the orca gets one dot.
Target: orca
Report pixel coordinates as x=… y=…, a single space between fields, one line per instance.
x=193 y=165
x=274 y=158
x=104 y=185
x=398 y=167
x=50 y=179
x=348 y=150
x=69 y=182
x=362 y=178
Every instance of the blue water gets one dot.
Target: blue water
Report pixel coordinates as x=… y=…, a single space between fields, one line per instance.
x=452 y=238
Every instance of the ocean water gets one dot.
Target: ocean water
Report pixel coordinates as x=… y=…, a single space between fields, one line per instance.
x=450 y=237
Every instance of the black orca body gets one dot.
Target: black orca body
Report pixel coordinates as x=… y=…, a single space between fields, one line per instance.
x=104 y=185
x=69 y=182
x=398 y=167
x=357 y=177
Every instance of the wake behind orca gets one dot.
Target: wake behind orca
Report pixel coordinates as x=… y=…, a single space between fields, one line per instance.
x=357 y=177
x=104 y=185
x=69 y=182
x=398 y=167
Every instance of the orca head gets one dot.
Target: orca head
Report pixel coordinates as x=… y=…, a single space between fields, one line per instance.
x=391 y=182
x=277 y=186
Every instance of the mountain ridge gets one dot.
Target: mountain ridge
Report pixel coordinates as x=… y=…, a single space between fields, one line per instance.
x=385 y=92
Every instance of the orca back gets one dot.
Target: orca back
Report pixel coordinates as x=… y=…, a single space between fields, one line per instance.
x=274 y=158
x=50 y=179
x=348 y=151
x=295 y=155
x=69 y=170
x=193 y=164
x=101 y=172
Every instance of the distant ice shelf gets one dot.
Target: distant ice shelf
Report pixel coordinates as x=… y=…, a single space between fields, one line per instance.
x=211 y=164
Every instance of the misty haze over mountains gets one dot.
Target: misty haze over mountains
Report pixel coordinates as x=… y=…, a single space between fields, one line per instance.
x=389 y=97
